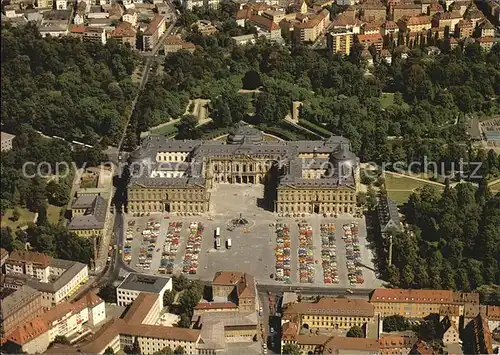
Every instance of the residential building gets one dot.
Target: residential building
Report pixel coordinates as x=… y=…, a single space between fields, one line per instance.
x=342 y=22
x=453 y=43
x=450 y=331
x=417 y=303
x=434 y=8
x=130 y=16
x=190 y=4
x=125 y=33
x=493 y=317
x=464 y=29
x=367 y=55
x=92 y=224
x=238 y=287
x=446 y=19
x=307 y=28
x=208 y=307
x=414 y=24
x=422 y=348
x=486 y=42
x=265 y=26
x=396 y=344
x=61 y=5
x=386 y=56
x=56 y=279
x=65 y=319
x=460 y=5
x=299 y=188
x=243 y=40
x=6 y=141
x=134 y=284
x=474 y=14
x=388 y=215
x=369 y=40
x=389 y=28
x=370 y=28
x=340 y=41
x=4 y=255
x=153 y=33
x=452 y=312
x=175 y=43
x=373 y=11
x=486 y=29
x=19 y=307
x=205 y=27
x=330 y=313
x=405 y=10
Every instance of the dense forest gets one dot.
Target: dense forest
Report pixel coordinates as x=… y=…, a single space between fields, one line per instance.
x=454 y=241
x=65 y=87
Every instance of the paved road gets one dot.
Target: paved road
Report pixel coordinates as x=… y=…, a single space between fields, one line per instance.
x=144 y=77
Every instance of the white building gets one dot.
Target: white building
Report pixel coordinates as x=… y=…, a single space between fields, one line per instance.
x=135 y=283
x=61 y=5
x=56 y=279
x=6 y=139
x=65 y=319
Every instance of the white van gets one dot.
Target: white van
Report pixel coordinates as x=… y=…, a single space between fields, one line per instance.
x=228 y=243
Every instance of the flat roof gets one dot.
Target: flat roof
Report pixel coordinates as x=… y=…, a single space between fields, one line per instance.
x=144 y=283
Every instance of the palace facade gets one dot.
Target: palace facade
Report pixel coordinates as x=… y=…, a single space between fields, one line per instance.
x=306 y=176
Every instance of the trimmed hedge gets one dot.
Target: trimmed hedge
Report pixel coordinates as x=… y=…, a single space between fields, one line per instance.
x=315 y=128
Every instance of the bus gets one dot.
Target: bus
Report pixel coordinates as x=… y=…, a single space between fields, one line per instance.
x=228 y=243
x=217 y=243
x=217 y=232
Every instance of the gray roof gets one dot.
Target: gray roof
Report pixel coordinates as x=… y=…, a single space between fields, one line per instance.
x=17 y=300
x=94 y=217
x=388 y=215
x=247 y=141
x=84 y=201
x=51 y=287
x=144 y=283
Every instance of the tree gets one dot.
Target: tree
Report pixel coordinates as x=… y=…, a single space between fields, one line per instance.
x=168 y=298
x=179 y=350
x=61 y=339
x=291 y=349
x=16 y=214
x=165 y=351
x=180 y=282
x=57 y=193
x=109 y=350
x=108 y=293
x=355 y=332
x=251 y=80
x=185 y=321
x=187 y=128
x=221 y=114
x=396 y=323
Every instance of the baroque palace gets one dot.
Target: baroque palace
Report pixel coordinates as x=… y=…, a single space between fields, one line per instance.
x=304 y=176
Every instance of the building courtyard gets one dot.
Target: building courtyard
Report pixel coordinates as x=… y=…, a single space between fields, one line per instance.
x=252 y=245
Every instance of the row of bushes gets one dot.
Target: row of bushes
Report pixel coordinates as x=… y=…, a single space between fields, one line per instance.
x=315 y=128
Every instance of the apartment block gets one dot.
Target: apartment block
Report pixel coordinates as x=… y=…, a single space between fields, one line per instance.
x=402 y=10
x=464 y=29
x=417 y=303
x=125 y=33
x=373 y=11
x=135 y=284
x=369 y=40
x=153 y=33
x=65 y=319
x=19 y=307
x=56 y=279
x=97 y=35
x=340 y=41
x=414 y=24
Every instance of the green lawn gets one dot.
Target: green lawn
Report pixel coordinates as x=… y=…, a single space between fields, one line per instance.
x=400 y=188
x=166 y=130
x=25 y=218
x=386 y=100
x=28 y=217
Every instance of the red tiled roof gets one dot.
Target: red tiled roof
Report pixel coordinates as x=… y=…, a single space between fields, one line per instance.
x=124 y=29
x=77 y=29
x=153 y=26
x=393 y=295
x=370 y=38
x=215 y=305
x=485 y=40
x=264 y=22
x=29 y=256
x=31 y=330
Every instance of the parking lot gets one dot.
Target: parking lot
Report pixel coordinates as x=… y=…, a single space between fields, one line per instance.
x=252 y=245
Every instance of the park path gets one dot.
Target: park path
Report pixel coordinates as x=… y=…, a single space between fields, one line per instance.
x=496 y=181
x=414 y=178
